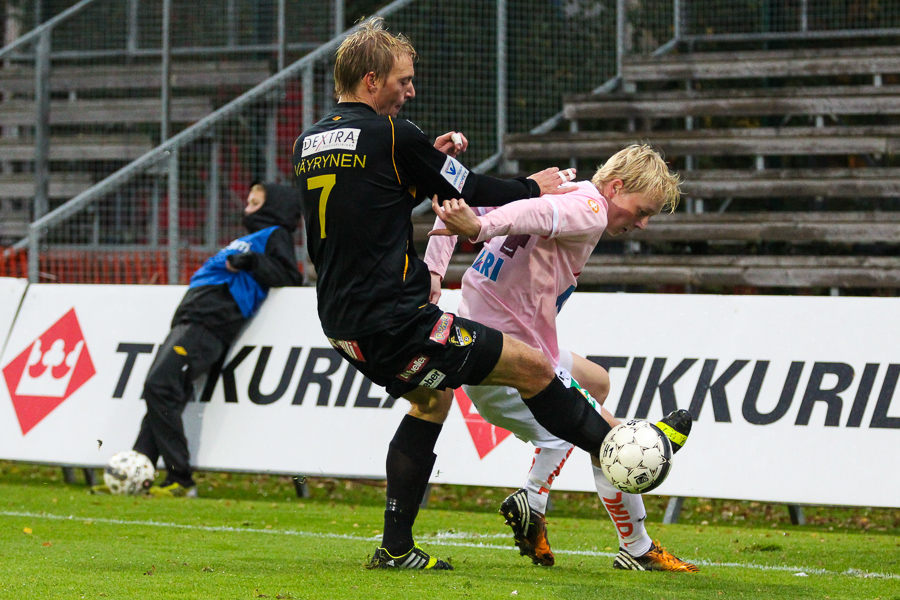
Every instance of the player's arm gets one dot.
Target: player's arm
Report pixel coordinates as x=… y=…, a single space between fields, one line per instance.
x=434 y=172
x=437 y=257
x=439 y=251
x=545 y=182
x=572 y=215
x=276 y=267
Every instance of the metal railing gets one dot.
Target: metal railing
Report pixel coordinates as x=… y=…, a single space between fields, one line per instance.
x=67 y=59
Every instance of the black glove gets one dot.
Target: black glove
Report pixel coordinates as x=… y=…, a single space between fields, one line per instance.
x=243 y=262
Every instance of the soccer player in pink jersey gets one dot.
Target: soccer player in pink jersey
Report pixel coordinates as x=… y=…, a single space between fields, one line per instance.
x=533 y=253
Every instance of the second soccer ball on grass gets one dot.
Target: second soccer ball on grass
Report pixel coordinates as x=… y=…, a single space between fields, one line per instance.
x=128 y=473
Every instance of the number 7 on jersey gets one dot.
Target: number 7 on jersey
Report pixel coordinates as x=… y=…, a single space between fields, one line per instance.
x=325 y=183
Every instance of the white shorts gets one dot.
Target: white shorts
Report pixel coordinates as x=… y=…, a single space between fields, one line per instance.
x=502 y=406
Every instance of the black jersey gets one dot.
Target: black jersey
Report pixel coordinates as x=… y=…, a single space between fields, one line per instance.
x=361 y=174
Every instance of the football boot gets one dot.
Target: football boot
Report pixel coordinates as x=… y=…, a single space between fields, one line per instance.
x=414 y=559
x=656 y=559
x=529 y=528
x=677 y=427
x=173 y=490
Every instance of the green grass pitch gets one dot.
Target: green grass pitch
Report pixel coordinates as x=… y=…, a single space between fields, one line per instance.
x=256 y=540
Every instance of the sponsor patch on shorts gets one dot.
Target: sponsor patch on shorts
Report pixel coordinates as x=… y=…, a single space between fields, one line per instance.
x=349 y=347
x=432 y=379
x=455 y=173
x=461 y=336
x=414 y=366
x=440 y=333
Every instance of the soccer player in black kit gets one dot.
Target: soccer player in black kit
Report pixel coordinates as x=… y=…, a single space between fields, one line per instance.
x=361 y=170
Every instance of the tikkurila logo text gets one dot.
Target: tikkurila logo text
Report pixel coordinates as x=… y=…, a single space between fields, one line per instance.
x=48 y=371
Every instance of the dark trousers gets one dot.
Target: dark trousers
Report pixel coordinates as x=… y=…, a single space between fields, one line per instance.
x=189 y=351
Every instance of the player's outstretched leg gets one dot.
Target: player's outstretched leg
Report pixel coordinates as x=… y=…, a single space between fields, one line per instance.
x=414 y=559
x=677 y=427
x=656 y=559
x=529 y=528
x=637 y=551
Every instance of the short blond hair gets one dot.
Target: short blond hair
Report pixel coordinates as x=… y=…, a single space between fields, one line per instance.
x=642 y=170
x=369 y=49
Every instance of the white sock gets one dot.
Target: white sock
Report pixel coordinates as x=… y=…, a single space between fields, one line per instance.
x=545 y=467
x=627 y=513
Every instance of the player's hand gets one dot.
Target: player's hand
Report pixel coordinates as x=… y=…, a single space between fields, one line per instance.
x=246 y=261
x=458 y=218
x=452 y=143
x=550 y=180
x=435 y=293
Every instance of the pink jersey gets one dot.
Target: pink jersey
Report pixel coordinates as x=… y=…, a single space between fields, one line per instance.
x=530 y=264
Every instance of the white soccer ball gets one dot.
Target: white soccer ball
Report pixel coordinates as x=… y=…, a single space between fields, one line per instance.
x=636 y=456
x=129 y=473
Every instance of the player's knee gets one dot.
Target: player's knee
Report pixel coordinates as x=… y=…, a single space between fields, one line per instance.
x=522 y=367
x=153 y=392
x=160 y=394
x=592 y=377
x=429 y=404
x=599 y=386
x=534 y=371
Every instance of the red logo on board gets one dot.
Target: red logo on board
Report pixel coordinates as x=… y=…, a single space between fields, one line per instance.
x=48 y=371
x=485 y=436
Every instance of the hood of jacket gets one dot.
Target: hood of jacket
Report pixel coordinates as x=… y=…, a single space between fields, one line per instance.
x=283 y=206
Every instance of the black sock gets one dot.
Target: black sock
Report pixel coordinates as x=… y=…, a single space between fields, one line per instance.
x=409 y=462
x=567 y=414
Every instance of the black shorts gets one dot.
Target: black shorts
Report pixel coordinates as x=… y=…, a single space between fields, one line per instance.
x=435 y=349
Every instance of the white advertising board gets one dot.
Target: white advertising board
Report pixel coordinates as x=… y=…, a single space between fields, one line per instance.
x=791 y=394
x=60 y=368
x=11 y=292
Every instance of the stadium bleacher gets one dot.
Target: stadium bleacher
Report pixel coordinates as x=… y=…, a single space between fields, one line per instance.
x=811 y=132
x=102 y=116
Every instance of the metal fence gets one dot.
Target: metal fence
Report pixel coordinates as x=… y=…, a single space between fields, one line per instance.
x=98 y=83
x=150 y=213
x=486 y=68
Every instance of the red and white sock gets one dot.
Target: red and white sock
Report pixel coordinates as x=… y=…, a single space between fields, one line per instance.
x=545 y=467
x=627 y=513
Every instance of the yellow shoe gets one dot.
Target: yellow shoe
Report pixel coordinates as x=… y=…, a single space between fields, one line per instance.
x=173 y=490
x=414 y=559
x=101 y=489
x=677 y=427
x=656 y=559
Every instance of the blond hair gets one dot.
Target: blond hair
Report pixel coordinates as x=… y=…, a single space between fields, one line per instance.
x=369 y=49
x=642 y=170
